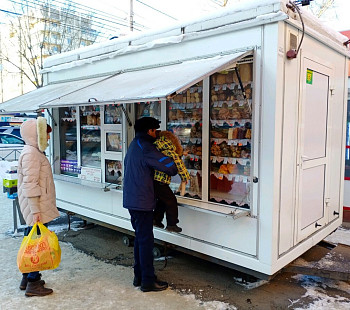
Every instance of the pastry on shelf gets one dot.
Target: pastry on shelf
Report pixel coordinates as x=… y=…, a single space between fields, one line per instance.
x=232 y=168
x=196 y=131
x=214 y=114
x=215 y=150
x=218 y=134
x=172 y=115
x=225 y=150
x=235 y=114
x=236 y=151
x=224 y=112
x=223 y=169
x=245 y=154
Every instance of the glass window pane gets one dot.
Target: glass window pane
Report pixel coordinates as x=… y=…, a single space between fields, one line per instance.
x=68 y=141
x=185 y=121
x=230 y=137
x=114 y=171
x=113 y=142
x=90 y=131
x=151 y=108
x=113 y=114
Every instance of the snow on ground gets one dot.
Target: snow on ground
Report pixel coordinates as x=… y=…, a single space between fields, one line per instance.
x=315 y=290
x=81 y=281
x=342 y=235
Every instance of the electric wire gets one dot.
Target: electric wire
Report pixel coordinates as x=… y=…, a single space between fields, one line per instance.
x=33 y=5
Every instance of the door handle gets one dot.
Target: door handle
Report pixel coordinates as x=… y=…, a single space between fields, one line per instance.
x=335 y=213
x=317 y=225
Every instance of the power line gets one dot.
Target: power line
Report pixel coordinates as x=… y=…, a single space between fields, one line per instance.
x=151 y=7
x=9 y=12
x=96 y=23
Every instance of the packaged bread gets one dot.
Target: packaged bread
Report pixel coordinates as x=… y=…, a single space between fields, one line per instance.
x=90 y=120
x=221 y=78
x=229 y=78
x=246 y=72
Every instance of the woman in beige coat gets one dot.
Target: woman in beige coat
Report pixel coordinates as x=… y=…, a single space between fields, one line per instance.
x=36 y=190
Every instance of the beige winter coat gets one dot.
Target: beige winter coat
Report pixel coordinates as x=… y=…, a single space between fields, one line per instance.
x=36 y=189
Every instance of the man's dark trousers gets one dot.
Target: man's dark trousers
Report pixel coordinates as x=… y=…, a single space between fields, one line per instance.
x=142 y=222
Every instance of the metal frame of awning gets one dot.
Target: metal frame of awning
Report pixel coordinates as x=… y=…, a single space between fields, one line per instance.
x=100 y=93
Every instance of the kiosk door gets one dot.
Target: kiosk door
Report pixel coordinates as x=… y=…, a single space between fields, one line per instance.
x=313 y=153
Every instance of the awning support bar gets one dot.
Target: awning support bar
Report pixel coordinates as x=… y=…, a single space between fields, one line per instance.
x=126 y=115
x=53 y=120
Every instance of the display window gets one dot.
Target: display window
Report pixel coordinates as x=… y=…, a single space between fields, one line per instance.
x=113 y=114
x=151 y=108
x=68 y=141
x=113 y=142
x=230 y=136
x=227 y=125
x=90 y=131
x=185 y=112
x=114 y=171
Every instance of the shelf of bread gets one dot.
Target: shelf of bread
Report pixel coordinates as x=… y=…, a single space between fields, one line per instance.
x=185 y=120
x=90 y=127
x=91 y=139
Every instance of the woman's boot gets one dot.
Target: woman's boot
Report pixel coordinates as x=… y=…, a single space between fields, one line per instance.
x=37 y=289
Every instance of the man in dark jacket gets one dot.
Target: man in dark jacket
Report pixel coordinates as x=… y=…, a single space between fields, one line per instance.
x=140 y=162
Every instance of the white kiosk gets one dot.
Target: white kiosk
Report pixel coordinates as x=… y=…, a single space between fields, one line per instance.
x=264 y=132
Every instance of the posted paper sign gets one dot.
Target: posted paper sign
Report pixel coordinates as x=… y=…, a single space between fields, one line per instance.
x=91 y=174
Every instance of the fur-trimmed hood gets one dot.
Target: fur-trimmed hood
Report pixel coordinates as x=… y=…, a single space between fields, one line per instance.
x=34 y=133
x=174 y=140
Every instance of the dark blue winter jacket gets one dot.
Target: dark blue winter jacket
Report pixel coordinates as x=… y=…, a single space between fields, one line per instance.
x=140 y=162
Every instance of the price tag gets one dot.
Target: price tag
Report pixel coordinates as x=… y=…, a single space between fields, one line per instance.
x=215 y=105
x=200 y=89
x=213 y=159
x=245 y=180
x=217 y=87
x=221 y=176
x=241 y=103
x=232 y=86
x=229 y=142
x=237 y=178
x=225 y=160
x=229 y=103
x=230 y=177
x=220 y=103
x=224 y=86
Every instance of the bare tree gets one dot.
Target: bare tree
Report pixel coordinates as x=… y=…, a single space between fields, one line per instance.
x=40 y=29
x=319 y=7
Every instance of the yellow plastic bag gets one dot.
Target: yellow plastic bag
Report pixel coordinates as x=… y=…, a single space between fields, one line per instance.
x=39 y=252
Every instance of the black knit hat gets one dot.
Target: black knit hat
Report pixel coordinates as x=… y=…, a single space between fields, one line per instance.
x=146 y=123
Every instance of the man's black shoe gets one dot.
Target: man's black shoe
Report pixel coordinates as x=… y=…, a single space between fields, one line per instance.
x=158 y=224
x=154 y=287
x=137 y=281
x=174 y=228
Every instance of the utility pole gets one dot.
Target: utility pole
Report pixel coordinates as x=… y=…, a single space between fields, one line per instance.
x=131 y=15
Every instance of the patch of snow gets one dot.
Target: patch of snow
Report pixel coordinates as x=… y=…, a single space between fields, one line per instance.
x=341 y=235
x=315 y=289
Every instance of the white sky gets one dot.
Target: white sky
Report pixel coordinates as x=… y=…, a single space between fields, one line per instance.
x=335 y=17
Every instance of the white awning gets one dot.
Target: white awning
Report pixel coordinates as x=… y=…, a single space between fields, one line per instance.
x=31 y=101
x=148 y=84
